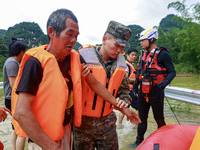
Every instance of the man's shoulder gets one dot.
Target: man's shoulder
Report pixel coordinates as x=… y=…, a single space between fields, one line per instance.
x=10 y=61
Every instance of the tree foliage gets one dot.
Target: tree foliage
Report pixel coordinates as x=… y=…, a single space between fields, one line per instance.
x=186 y=41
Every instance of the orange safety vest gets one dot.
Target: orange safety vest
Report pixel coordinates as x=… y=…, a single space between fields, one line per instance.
x=51 y=99
x=93 y=105
x=150 y=65
x=132 y=73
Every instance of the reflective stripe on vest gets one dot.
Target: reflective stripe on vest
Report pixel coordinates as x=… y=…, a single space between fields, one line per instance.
x=93 y=105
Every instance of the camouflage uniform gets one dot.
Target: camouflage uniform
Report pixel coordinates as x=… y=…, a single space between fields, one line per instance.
x=101 y=132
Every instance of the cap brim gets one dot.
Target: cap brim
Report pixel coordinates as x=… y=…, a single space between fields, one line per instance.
x=122 y=42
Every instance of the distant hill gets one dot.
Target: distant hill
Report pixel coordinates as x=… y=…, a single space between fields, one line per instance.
x=29 y=33
x=136 y=29
x=2 y=32
x=171 y=21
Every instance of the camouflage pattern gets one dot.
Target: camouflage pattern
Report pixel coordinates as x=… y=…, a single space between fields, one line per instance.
x=96 y=132
x=120 y=32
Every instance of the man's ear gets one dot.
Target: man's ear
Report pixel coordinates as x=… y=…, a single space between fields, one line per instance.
x=51 y=32
x=104 y=40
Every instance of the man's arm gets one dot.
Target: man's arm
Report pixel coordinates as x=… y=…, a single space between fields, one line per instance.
x=11 y=81
x=3 y=114
x=26 y=119
x=164 y=59
x=100 y=90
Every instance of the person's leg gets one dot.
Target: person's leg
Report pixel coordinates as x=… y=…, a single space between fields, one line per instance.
x=13 y=139
x=134 y=104
x=120 y=119
x=84 y=136
x=20 y=143
x=107 y=135
x=158 y=107
x=134 y=98
x=143 y=108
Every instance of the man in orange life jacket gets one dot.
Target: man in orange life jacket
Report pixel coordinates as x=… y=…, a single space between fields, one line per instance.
x=130 y=70
x=107 y=64
x=155 y=71
x=40 y=94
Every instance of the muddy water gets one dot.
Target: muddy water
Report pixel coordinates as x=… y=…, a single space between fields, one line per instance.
x=127 y=135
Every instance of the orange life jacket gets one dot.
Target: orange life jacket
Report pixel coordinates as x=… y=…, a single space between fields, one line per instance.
x=93 y=105
x=132 y=73
x=51 y=99
x=150 y=66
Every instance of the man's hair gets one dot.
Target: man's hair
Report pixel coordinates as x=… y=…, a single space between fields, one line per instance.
x=57 y=20
x=131 y=49
x=16 y=46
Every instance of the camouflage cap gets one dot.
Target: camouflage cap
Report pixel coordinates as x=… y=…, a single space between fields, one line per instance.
x=120 y=32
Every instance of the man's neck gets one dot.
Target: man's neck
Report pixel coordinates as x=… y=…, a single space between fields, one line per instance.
x=104 y=57
x=152 y=47
x=16 y=58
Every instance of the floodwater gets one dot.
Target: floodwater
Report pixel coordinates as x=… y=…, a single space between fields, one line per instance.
x=186 y=114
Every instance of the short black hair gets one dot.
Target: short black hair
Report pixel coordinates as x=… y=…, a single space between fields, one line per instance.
x=131 y=49
x=16 y=46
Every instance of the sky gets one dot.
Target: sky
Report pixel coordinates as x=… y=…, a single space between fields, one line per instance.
x=93 y=15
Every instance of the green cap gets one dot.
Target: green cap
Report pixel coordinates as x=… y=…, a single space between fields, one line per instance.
x=120 y=32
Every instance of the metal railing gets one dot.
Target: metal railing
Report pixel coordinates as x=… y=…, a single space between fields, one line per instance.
x=1 y=85
x=183 y=94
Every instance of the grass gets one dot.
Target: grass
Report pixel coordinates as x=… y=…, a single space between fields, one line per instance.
x=1 y=92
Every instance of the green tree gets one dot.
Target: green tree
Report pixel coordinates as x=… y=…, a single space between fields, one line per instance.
x=163 y=39
x=3 y=53
x=172 y=34
x=189 y=14
x=188 y=39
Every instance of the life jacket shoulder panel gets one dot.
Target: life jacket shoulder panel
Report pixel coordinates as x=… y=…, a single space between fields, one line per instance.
x=93 y=105
x=76 y=80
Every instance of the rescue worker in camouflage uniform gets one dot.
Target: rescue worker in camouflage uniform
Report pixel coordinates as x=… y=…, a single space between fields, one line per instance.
x=107 y=64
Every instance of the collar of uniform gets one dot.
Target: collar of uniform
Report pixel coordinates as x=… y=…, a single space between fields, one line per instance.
x=100 y=56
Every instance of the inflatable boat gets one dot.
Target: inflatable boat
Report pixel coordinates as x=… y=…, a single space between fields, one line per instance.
x=173 y=137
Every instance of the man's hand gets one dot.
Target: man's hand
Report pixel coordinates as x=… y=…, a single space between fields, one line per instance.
x=3 y=114
x=85 y=70
x=161 y=85
x=131 y=115
x=121 y=103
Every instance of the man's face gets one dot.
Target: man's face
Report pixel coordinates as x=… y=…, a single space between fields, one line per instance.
x=113 y=49
x=144 y=43
x=64 y=42
x=132 y=57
